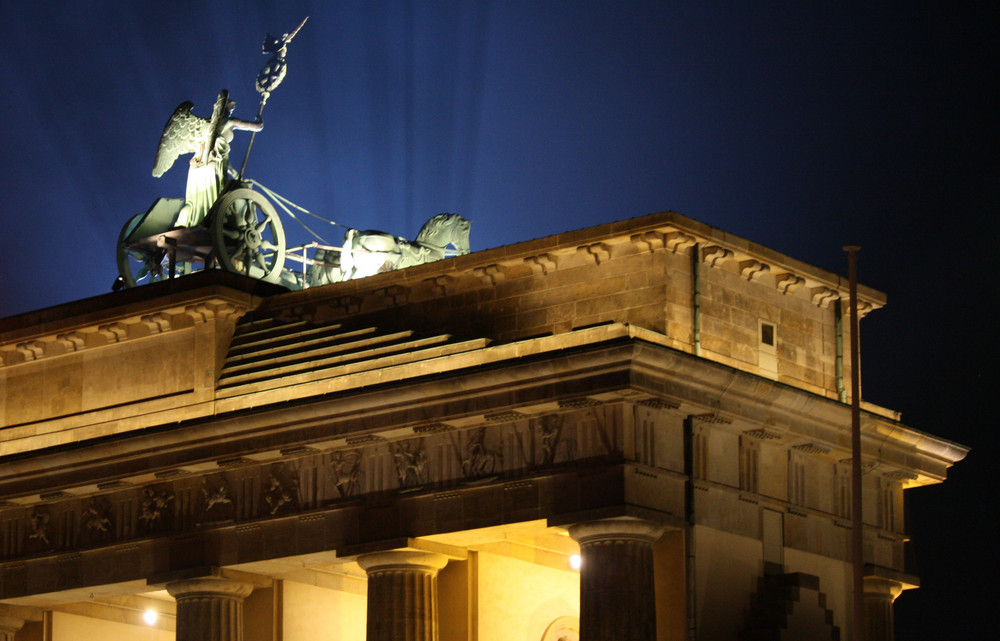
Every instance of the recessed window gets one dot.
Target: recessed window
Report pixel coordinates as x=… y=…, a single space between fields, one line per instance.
x=767 y=334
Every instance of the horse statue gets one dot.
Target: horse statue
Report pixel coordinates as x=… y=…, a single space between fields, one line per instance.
x=370 y=252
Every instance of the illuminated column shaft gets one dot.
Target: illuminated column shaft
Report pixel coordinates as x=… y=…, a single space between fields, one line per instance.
x=617 y=601
x=9 y=625
x=209 y=609
x=402 y=595
x=879 y=595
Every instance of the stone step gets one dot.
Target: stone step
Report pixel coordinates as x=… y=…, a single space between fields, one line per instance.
x=312 y=353
x=365 y=363
x=355 y=351
x=287 y=333
x=295 y=343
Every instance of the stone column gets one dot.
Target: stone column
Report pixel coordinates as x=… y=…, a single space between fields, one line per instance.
x=879 y=621
x=9 y=625
x=402 y=595
x=616 y=579
x=209 y=608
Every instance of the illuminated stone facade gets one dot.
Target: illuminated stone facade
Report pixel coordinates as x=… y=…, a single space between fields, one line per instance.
x=418 y=454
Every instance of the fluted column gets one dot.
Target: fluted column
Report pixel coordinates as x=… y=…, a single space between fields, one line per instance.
x=402 y=595
x=209 y=609
x=879 y=596
x=617 y=601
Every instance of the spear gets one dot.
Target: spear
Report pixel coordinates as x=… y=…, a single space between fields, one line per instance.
x=271 y=75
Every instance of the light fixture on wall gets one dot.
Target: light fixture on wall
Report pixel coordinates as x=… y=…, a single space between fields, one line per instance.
x=149 y=616
x=575 y=561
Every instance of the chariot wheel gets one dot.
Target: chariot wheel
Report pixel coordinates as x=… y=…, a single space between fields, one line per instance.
x=139 y=265
x=247 y=236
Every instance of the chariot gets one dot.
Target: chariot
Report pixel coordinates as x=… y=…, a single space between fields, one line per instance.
x=241 y=233
x=226 y=221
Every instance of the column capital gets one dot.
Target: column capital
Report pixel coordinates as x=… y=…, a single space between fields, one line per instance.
x=621 y=528
x=402 y=594
x=881 y=587
x=413 y=560
x=209 y=586
x=9 y=625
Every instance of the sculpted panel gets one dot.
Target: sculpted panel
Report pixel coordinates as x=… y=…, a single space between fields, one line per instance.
x=508 y=447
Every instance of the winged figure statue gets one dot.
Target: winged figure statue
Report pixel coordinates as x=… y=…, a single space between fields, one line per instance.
x=208 y=139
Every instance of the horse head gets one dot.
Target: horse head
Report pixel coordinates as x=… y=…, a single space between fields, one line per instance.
x=446 y=229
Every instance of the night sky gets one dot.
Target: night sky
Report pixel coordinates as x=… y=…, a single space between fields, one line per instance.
x=798 y=126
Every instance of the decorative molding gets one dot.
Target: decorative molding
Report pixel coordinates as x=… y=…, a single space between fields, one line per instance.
x=157 y=323
x=31 y=350
x=581 y=401
x=762 y=434
x=544 y=263
x=432 y=428
x=364 y=438
x=72 y=341
x=677 y=241
x=713 y=418
x=113 y=332
x=504 y=417
x=715 y=255
x=649 y=241
x=599 y=252
x=753 y=269
x=823 y=296
x=55 y=496
x=391 y=296
x=659 y=403
x=171 y=473
x=298 y=450
x=439 y=284
x=788 y=282
x=236 y=461
x=811 y=448
x=112 y=485
x=491 y=274
x=200 y=313
x=346 y=305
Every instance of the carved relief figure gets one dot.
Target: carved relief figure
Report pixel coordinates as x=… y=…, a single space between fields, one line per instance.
x=39 y=526
x=217 y=496
x=479 y=460
x=345 y=470
x=97 y=517
x=549 y=430
x=411 y=465
x=154 y=505
x=280 y=491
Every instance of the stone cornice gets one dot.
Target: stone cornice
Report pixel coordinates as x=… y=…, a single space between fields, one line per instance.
x=122 y=320
x=666 y=231
x=607 y=363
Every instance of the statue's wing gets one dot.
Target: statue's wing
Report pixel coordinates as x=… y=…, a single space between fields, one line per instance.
x=181 y=135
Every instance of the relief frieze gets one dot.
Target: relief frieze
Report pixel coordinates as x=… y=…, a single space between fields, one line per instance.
x=309 y=479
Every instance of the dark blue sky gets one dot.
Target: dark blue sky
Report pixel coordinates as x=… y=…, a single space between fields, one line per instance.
x=798 y=126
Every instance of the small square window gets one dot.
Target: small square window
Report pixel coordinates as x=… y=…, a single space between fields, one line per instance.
x=767 y=334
